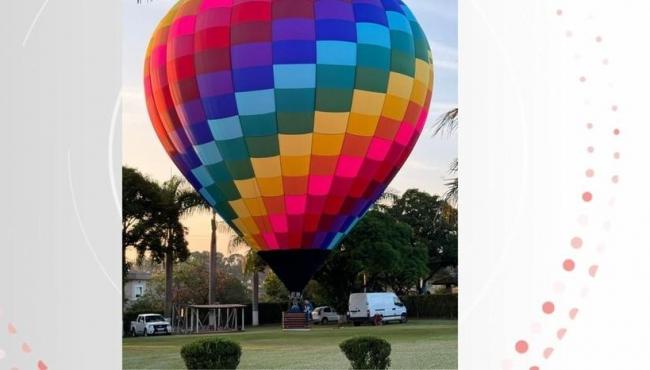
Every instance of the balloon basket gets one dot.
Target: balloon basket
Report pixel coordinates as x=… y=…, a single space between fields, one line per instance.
x=295 y=321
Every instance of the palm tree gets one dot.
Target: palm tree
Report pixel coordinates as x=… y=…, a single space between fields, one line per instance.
x=447 y=124
x=177 y=202
x=254 y=265
x=217 y=227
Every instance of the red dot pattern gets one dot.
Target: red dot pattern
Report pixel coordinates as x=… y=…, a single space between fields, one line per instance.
x=569 y=264
x=521 y=346
x=548 y=308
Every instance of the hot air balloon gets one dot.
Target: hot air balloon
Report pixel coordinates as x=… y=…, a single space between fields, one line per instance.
x=290 y=117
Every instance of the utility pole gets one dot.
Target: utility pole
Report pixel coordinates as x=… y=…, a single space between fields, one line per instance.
x=212 y=290
x=212 y=294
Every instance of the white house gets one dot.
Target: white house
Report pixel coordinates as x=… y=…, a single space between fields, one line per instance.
x=136 y=285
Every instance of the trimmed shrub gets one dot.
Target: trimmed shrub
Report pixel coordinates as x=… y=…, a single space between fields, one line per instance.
x=367 y=352
x=435 y=306
x=211 y=353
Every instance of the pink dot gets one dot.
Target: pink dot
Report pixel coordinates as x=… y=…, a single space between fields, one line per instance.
x=617 y=132
x=617 y=155
x=587 y=196
x=568 y=33
x=548 y=352
x=25 y=348
x=590 y=149
x=599 y=39
x=615 y=179
x=548 y=308
x=583 y=79
x=590 y=173
x=614 y=108
x=576 y=242
x=605 y=61
x=558 y=12
x=534 y=368
x=521 y=346
x=568 y=264
x=590 y=125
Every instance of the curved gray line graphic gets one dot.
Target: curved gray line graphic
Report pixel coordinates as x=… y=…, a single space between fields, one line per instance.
x=36 y=18
x=83 y=230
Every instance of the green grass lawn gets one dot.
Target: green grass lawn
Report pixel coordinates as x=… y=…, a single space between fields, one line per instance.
x=419 y=344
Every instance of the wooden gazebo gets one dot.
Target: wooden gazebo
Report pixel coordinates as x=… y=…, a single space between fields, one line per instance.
x=209 y=318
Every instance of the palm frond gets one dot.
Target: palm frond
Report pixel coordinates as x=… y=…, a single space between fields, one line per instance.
x=453 y=168
x=446 y=124
x=236 y=242
x=451 y=195
x=191 y=202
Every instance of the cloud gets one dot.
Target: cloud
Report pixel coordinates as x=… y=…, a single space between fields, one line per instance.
x=426 y=9
x=420 y=166
x=445 y=64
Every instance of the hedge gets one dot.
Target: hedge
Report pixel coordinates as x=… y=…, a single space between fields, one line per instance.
x=435 y=306
x=367 y=352
x=211 y=353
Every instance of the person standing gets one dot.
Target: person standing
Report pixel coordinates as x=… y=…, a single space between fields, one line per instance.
x=308 y=310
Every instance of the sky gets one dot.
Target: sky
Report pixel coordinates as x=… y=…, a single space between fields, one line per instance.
x=426 y=169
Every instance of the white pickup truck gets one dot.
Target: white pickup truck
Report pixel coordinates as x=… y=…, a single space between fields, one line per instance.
x=150 y=324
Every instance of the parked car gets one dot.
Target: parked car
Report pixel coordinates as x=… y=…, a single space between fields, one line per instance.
x=375 y=308
x=150 y=324
x=324 y=314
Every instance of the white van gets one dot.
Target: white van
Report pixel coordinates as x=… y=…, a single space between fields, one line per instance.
x=364 y=307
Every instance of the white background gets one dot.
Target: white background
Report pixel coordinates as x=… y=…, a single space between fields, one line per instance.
x=59 y=211
x=523 y=156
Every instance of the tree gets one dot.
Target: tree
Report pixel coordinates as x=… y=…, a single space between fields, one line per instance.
x=140 y=210
x=448 y=123
x=176 y=202
x=391 y=256
x=339 y=277
x=191 y=285
x=435 y=225
x=254 y=265
x=380 y=247
x=274 y=290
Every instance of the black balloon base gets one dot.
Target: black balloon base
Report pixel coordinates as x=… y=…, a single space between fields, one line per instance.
x=295 y=267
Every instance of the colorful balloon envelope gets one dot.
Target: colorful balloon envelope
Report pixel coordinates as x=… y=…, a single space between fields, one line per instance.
x=290 y=117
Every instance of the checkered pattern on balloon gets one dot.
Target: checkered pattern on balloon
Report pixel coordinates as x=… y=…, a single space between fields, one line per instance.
x=289 y=117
